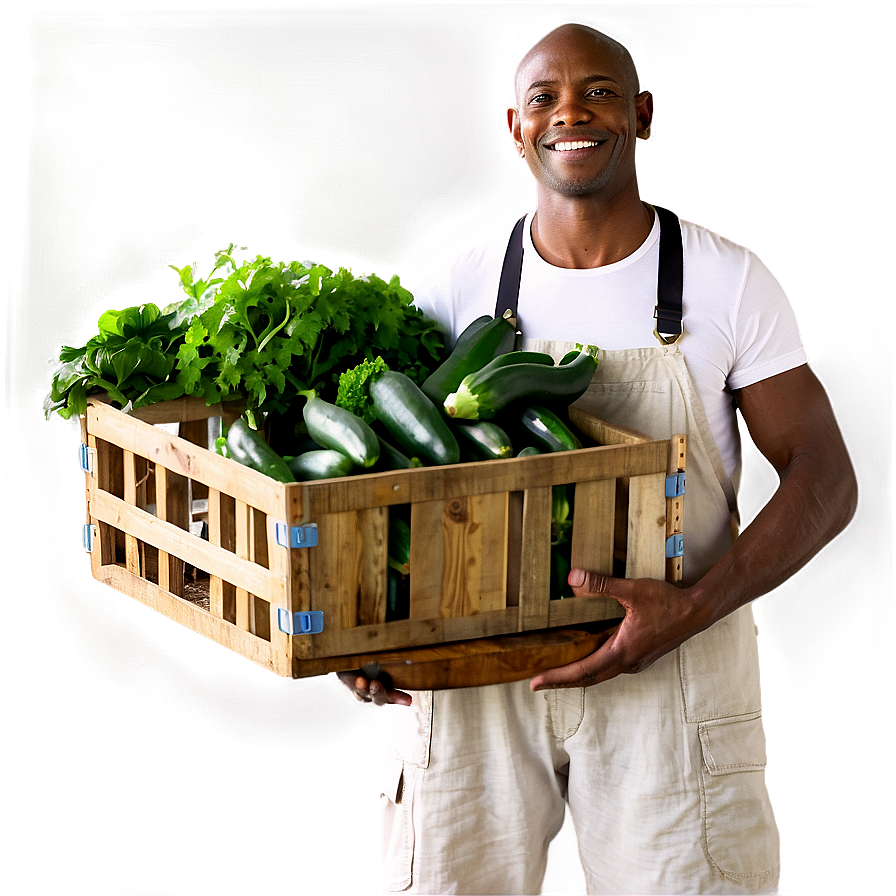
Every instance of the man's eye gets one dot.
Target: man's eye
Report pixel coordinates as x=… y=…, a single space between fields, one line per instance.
x=600 y=92
x=540 y=98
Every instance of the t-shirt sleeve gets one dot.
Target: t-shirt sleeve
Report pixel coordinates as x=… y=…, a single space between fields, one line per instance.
x=766 y=332
x=432 y=295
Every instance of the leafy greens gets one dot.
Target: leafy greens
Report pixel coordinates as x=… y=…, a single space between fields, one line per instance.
x=258 y=330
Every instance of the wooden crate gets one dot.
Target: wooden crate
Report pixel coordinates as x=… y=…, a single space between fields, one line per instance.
x=277 y=561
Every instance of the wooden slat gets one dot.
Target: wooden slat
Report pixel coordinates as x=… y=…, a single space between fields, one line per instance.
x=335 y=572
x=409 y=633
x=189 y=615
x=221 y=533
x=474 y=551
x=470 y=663
x=646 y=548
x=243 y=551
x=186 y=459
x=511 y=474
x=279 y=564
x=190 y=548
x=373 y=530
x=675 y=505
x=131 y=545
x=195 y=432
x=593 y=524
x=602 y=432
x=535 y=566
x=258 y=608
x=172 y=505
x=298 y=579
x=578 y=610
x=107 y=461
x=426 y=559
x=180 y=410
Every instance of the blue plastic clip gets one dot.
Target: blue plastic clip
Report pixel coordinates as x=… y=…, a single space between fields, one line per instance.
x=297 y=536
x=303 y=622
x=88 y=533
x=675 y=485
x=86 y=455
x=674 y=546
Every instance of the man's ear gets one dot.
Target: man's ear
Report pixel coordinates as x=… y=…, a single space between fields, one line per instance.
x=513 y=122
x=644 y=114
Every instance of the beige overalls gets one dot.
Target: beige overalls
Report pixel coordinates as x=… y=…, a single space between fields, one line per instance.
x=663 y=770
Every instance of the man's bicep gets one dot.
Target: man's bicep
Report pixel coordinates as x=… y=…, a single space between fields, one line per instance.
x=788 y=415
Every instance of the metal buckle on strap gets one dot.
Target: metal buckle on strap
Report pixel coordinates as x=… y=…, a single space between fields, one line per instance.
x=666 y=340
x=672 y=338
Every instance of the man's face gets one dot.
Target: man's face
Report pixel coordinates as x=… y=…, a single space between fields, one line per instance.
x=578 y=116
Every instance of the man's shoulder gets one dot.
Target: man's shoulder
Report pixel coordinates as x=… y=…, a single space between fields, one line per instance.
x=470 y=252
x=482 y=244
x=700 y=238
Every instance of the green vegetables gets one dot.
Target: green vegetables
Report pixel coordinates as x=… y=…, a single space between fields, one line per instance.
x=131 y=358
x=353 y=393
x=256 y=329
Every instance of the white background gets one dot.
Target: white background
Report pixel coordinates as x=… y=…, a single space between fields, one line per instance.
x=138 y=758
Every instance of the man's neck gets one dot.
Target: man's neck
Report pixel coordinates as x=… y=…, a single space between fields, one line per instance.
x=588 y=233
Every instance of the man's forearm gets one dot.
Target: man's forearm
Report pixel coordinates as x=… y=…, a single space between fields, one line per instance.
x=815 y=500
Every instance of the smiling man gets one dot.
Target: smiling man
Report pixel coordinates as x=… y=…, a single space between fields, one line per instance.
x=655 y=741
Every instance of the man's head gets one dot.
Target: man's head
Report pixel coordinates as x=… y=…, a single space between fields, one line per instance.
x=579 y=109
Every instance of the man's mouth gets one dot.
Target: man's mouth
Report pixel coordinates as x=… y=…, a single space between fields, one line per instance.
x=571 y=145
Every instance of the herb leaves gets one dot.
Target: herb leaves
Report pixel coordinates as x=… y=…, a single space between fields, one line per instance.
x=259 y=330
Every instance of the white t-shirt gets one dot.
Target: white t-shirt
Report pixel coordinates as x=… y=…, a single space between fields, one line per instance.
x=738 y=326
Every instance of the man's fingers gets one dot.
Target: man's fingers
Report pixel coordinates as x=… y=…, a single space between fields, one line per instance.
x=582 y=673
x=586 y=583
x=372 y=690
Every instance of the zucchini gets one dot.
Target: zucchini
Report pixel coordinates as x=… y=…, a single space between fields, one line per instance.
x=249 y=447
x=399 y=545
x=392 y=459
x=528 y=451
x=560 y=567
x=398 y=595
x=482 y=394
x=548 y=430
x=412 y=419
x=520 y=358
x=481 y=341
x=483 y=440
x=320 y=463
x=334 y=427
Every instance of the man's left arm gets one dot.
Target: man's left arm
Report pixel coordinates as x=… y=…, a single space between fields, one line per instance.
x=791 y=422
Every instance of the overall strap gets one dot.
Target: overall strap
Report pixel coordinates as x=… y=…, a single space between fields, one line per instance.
x=670 y=277
x=512 y=269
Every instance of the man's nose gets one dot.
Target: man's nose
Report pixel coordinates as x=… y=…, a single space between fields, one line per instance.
x=570 y=111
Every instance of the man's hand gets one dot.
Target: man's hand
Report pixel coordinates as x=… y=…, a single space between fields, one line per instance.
x=658 y=617
x=792 y=424
x=372 y=690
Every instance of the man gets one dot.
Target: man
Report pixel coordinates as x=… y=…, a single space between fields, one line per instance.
x=663 y=770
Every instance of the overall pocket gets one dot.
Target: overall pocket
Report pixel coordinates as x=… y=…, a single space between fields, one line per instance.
x=739 y=828
x=408 y=732
x=719 y=670
x=396 y=792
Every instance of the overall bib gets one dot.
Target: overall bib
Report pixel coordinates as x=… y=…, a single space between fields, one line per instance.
x=663 y=771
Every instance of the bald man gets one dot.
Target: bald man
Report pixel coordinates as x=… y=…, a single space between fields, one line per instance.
x=655 y=741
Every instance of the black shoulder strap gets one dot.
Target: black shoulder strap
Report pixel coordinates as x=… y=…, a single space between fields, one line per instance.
x=670 y=277
x=509 y=285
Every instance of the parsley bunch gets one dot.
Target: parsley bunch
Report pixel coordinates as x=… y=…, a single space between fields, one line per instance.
x=256 y=330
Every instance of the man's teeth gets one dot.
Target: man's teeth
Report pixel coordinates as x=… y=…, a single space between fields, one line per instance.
x=578 y=144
